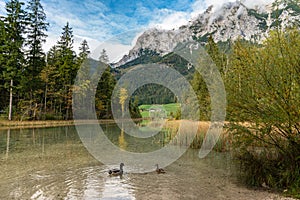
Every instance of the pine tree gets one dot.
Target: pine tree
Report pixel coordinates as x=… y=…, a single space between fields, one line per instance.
x=50 y=77
x=67 y=68
x=216 y=55
x=3 y=58
x=105 y=88
x=84 y=50
x=14 y=25
x=85 y=64
x=104 y=57
x=66 y=40
x=67 y=55
x=84 y=87
x=36 y=36
x=3 y=44
x=200 y=89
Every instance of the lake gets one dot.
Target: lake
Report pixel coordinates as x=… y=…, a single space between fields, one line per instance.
x=52 y=163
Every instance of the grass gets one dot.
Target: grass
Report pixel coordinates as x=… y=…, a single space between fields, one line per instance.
x=186 y=137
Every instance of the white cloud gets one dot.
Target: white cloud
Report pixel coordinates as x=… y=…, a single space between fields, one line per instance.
x=169 y=19
x=94 y=6
x=201 y=5
x=2 y=7
x=114 y=48
x=254 y=3
x=115 y=51
x=165 y=19
x=50 y=41
x=97 y=27
x=198 y=7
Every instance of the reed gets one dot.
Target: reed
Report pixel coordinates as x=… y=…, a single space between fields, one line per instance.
x=185 y=137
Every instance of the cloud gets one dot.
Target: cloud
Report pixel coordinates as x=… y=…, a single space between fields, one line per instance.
x=253 y=3
x=169 y=19
x=95 y=7
x=115 y=51
x=2 y=7
x=98 y=21
x=201 y=5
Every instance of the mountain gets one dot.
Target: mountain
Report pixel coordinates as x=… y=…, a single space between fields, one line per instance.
x=229 y=22
x=155 y=40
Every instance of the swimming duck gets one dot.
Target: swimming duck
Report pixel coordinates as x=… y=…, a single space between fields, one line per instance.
x=159 y=170
x=116 y=172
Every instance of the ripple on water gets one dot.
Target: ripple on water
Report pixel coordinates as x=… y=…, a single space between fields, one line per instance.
x=57 y=166
x=83 y=183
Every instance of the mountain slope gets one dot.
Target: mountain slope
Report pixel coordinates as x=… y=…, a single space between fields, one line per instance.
x=231 y=21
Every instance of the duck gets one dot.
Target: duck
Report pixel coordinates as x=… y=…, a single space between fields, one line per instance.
x=116 y=172
x=159 y=170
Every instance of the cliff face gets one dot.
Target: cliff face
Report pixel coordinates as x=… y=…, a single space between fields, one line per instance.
x=159 y=41
x=229 y=22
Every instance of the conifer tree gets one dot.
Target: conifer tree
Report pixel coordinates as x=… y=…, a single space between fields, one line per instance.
x=36 y=36
x=49 y=76
x=218 y=57
x=3 y=57
x=67 y=68
x=104 y=57
x=67 y=55
x=14 y=25
x=105 y=88
x=84 y=64
x=84 y=87
x=84 y=50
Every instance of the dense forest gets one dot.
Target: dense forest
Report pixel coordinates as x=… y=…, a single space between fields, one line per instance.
x=36 y=85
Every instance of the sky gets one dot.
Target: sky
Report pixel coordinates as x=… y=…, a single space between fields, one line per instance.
x=115 y=24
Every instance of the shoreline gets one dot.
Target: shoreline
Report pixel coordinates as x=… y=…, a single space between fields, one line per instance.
x=5 y=124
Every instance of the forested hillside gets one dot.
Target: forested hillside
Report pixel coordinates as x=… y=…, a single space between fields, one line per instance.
x=36 y=85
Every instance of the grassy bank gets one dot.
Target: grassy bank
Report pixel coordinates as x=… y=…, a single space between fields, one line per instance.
x=11 y=124
x=5 y=124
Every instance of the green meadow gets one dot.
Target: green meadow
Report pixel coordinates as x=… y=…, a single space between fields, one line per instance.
x=170 y=109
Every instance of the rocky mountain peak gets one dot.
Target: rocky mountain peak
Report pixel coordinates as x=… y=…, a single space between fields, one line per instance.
x=230 y=21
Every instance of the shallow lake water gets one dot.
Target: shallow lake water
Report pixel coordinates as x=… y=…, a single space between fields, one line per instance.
x=52 y=163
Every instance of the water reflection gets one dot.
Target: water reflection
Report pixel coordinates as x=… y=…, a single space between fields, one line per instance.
x=118 y=188
x=52 y=163
x=122 y=141
x=7 y=143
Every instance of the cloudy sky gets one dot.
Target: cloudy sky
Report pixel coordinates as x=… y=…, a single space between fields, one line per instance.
x=117 y=22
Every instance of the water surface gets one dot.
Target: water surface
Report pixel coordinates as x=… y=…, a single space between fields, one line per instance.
x=52 y=163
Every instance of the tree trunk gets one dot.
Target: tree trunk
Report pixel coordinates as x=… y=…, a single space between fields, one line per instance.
x=45 y=100
x=10 y=100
